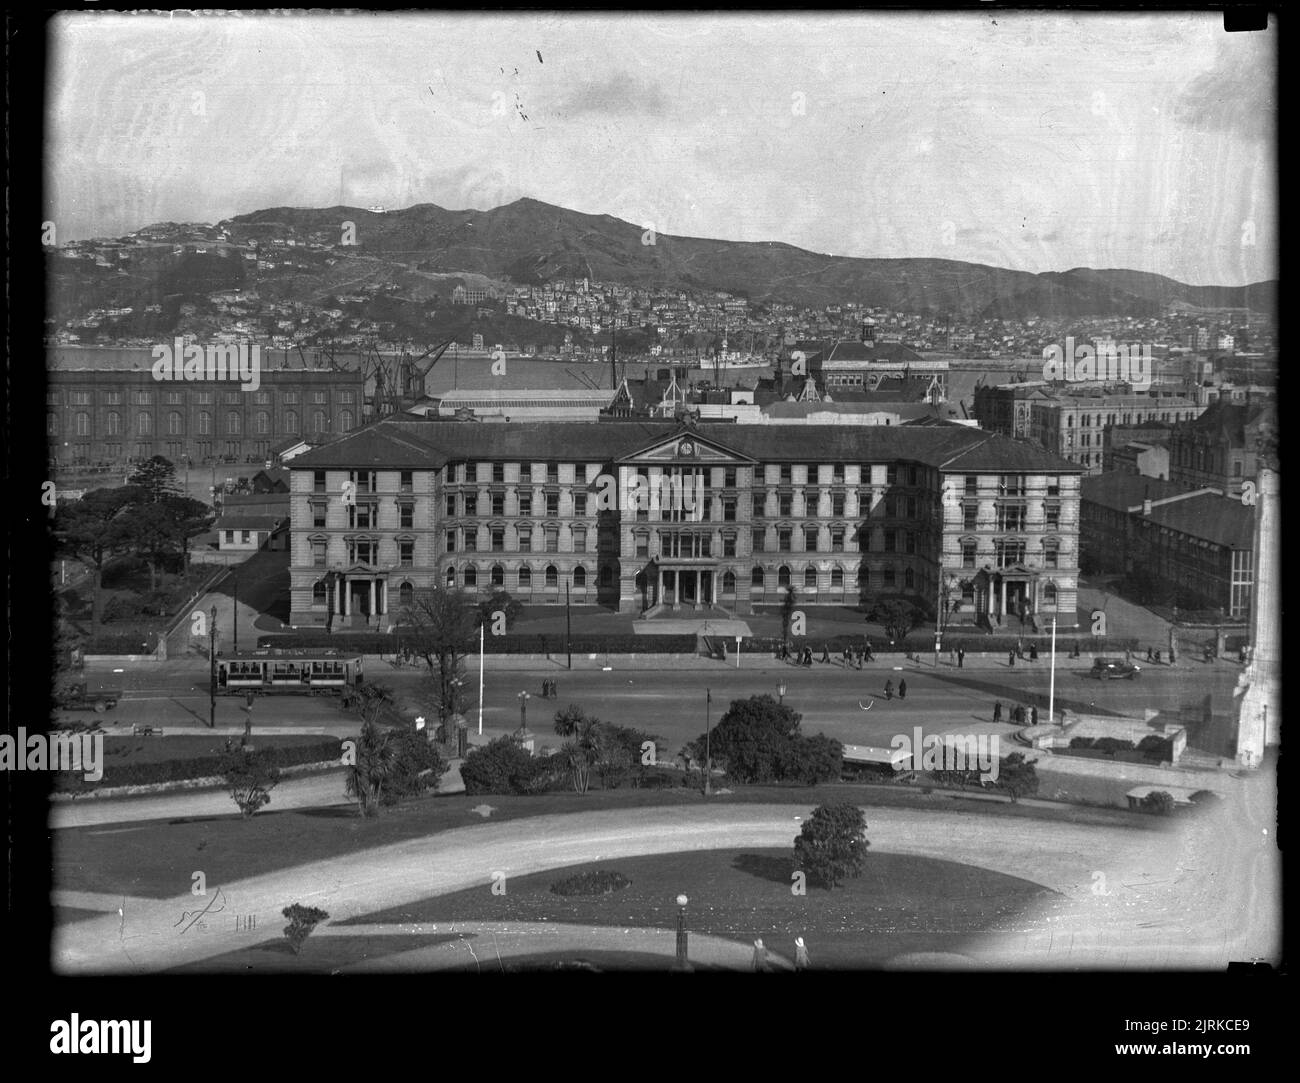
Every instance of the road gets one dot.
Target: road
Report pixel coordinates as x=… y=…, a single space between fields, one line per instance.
x=671 y=703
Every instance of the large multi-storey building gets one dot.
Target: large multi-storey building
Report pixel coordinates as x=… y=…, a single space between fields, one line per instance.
x=106 y=408
x=1220 y=447
x=1074 y=426
x=642 y=515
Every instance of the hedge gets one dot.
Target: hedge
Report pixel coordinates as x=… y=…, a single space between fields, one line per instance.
x=143 y=774
x=122 y=643
x=922 y=643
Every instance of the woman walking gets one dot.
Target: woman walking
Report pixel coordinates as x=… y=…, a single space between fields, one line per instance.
x=889 y=690
x=997 y=711
x=902 y=689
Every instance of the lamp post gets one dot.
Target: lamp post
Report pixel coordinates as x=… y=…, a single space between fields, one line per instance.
x=212 y=675
x=708 y=756
x=234 y=615
x=568 y=626
x=682 y=963
x=523 y=711
x=780 y=693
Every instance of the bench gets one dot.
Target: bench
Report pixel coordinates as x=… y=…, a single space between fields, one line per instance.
x=146 y=731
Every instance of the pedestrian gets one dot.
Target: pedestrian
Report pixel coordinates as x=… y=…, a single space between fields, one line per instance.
x=902 y=689
x=1033 y=652
x=889 y=690
x=807 y=656
x=1011 y=658
x=1149 y=654
x=1033 y=715
x=1020 y=648
x=1241 y=655
x=801 y=960
x=826 y=654
x=555 y=690
x=848 y=657
x=997 y=711
x=760 y=957
x=858 y=657
x=961 y=657
x=952 y=657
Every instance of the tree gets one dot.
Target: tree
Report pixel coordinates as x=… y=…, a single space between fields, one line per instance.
x=898 y=617
x=88 y=530
x=375 y=764
x=788 y=604
x=503 y=766
x=302 y=920
x=832 y=843
x=440 y=626
x=251 y=776
x=157 y=477
x=154 y=532
x=501 y=601
x=1017 y=777
x=760 y=741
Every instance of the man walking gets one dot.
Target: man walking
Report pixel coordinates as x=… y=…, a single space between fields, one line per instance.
x=997 y=711
x=1011 y=658
x=889 y=690
x=760 y=957
x=902 y=689
x=826 y=654
x=801 y=960
x=1033 y=715
x=961 y=657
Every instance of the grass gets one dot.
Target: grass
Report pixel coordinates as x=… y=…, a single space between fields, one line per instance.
x=899 y=905
x=269 y=952
x=144 y=858
x=121 y=751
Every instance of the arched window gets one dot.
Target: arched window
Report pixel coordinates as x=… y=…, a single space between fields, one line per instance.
x=1049 y=596
x=837 y=577
x=406 y=595
x=728 y=582
x=579 y=576
x=319 y=592
x=263 y=422
x=552 y=576
x=525 y=577
x=291 y=422
x=205 y=424
x=175 y=424
x=144 y=424
x=83 y=424
x=114 y=423
x=232 y=423
x=810 y=577
x=756 y=577
x=471 y=576
x=318 y=421
x=783 y=576
x=498 y=575
x=451 y=578
x=345 y=421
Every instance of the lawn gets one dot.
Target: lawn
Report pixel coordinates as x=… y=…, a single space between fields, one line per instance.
x=144 y=857
x=120 y=751
x=900 y=905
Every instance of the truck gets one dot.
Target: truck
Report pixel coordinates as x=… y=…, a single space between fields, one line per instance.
x=77 y=696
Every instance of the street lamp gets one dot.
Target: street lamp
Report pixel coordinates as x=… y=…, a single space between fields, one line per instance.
x=780 y=693
x=212 y=676
x=524 y=697
x=682 y=962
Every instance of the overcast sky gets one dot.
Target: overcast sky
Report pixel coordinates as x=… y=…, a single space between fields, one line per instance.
x=1038 y=142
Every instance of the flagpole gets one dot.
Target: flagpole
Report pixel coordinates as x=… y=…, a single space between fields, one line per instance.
x=1051 y=695
x=708 y=753
x=480 y=679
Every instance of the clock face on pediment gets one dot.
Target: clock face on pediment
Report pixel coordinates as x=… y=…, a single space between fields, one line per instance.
x=686 y=448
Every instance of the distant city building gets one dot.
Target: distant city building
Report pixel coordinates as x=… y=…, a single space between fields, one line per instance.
x=1219 y=448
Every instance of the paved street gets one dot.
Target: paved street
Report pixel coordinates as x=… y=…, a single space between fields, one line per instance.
x=671 y=702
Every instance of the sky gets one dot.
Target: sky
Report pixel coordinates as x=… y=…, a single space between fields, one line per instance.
x=1033 y=141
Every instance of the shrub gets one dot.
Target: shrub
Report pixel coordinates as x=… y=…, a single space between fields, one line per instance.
x=302 y=920
x=1158 y=803
x=504 y=766
x=417 y=766
x=1017 y=777
x=251 y=776
x=1112 y=744
x=832 y=844
x=591 y=882
x=760 y=741
x=1081 y=742
x=1156 y=747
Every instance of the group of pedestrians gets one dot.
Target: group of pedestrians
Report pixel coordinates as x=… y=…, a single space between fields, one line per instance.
x=549 y=689
x=1017 y=713
x=902 y=689
x=760 y=963
x=852 y=657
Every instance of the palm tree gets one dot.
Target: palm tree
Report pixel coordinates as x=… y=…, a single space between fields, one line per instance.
x=375 y=762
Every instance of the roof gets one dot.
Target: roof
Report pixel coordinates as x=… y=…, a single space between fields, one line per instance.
x=450 y=376
x=1120 y=492
x=248 y=522
x=420 y=443
x=852 y=350
x=260 y=501
x=1223 y=521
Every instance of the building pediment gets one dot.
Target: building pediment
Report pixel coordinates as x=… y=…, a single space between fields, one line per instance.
x=686 y=448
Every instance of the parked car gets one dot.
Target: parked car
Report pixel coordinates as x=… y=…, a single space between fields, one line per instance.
x=77 y=697
x=1105 y=669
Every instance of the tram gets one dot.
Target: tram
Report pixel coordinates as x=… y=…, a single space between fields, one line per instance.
x=289 y=672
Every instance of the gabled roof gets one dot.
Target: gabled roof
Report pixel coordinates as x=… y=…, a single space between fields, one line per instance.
x=1219 y=520
x=1120 y=492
